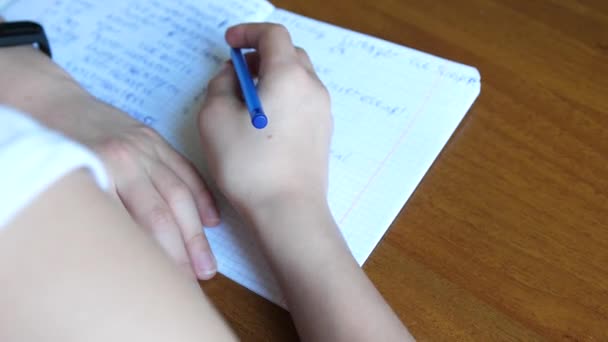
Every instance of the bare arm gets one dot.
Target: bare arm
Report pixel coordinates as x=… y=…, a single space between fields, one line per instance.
x=74 y=267
x=329 y=296
x=277 y=178
x=149 y=178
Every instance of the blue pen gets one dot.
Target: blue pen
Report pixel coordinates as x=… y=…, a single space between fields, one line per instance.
x=258 y=118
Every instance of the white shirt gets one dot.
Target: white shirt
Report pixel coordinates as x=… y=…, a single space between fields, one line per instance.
x=32 y=158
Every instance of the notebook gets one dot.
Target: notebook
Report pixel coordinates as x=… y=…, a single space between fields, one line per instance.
x=394 y=107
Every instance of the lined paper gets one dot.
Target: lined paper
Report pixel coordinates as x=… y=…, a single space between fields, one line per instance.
x=394 y=107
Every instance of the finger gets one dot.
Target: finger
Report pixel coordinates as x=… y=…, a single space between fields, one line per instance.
x=225 y=83
x=148 y=208
x=272 y=41
x=222 y=108
x=306 y=62
x=187 y=173
x=112 y=189
x=224 y=86
x=181 y=202
x=2 y=19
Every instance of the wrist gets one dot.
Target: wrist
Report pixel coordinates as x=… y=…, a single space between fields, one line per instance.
x=24 y=64
x=287 y=206
x=301 y=241
x=32 y=82
x=292 y=228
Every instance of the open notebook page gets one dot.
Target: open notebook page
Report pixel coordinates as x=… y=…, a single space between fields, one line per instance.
x=394 y=107
x=4 y=3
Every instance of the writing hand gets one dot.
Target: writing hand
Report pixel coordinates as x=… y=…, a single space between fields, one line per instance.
x=277 y=178
x=290 y=156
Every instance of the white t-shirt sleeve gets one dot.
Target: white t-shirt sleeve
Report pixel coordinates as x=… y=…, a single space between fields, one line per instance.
x=32 y=158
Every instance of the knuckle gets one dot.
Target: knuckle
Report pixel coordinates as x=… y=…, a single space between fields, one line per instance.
x=302 y=55
x=125 y=151
x=277 y=30
x=296 y=73
x=296 y=77
x=116 y=150
x=301 y=52
x=160 y=218
x=148 y=132
x=199 y=239
x=178 y=193
x=324 y=93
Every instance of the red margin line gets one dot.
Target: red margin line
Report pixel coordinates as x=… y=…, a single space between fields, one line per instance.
x=393 y=149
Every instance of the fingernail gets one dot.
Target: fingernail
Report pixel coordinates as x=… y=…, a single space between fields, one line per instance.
x=206 y=266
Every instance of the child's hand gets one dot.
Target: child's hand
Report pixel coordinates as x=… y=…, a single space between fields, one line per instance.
x=277 y=178
x=160 y=188
x=287 y=159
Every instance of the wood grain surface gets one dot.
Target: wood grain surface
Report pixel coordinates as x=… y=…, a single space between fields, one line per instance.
x=506 y=238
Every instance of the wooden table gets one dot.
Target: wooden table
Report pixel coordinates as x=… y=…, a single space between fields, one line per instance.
x=506 y=238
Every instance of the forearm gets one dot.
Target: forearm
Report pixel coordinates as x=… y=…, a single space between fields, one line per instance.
x=160 y=188
x=74 y=267
x=35 y=85
x=328 y=295
x=29 y=79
